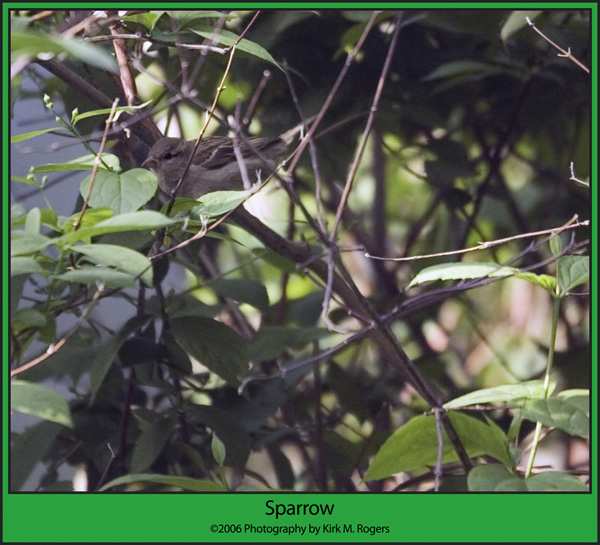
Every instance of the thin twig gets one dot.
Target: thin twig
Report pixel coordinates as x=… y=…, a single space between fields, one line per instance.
x=438 y=471
x=573 y=178
x=571 y=224
x=566 y=54
x=349 y=60
x=97 y=160
x=366 y=132
x=201 y=135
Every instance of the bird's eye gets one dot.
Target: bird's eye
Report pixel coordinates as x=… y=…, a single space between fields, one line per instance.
x=168 y=156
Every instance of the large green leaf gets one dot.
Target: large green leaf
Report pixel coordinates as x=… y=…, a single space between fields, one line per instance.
x=132 y=221
x=242 y=290
x=151 y=443
x=26 y=265
x=23 y=243
x=27 y=43
x=568 y=411
x=125 y=192
x=214 y=345
x=272 y=341
x=490 y=478
x=415 y=445
x=532 y=389
x=124 y=259
x=27 y=447
x=31 y=398
x=85 y=162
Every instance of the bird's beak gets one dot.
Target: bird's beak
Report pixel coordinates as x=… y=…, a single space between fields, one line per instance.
x=149 y=163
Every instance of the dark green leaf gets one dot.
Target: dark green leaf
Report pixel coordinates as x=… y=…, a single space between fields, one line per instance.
x=214 y=345
x=272 y=341
x=242 y=290
x=150 y=444
x=185 y=483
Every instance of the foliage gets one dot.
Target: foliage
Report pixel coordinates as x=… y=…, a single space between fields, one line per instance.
x=162 y=349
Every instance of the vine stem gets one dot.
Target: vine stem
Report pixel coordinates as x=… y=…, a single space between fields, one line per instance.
x=538 y=427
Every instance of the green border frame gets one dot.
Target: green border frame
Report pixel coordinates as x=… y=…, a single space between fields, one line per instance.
x=41 y=517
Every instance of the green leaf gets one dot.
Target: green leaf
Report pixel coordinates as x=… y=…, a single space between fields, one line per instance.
x=150 y=444
x=27 y=448
x=461 y=271
x=33 y=221
x=228 y=38
x=556 y=244
x=124 y=259
x=242 y=290
x=107 y=354
x=80 y=163
x=32 y=134
x=124 y=192
x=25 y=43
x=555 y=481
x=515 y=22
x=185 y=18
x=569 y=412
x=218 y=203
x=272 y=341
x=186 y=483
x=132 y=221
x=91 y=217
x=218 y=450
x=92 y=276
x=23 y=243
x=543 y=280
x=106 y=111
x=214 y=345
x=491 y=478
x=100 y=365
x=532 y=389
x=148 y=19
x=30 y=398
x=26 y=265
x=28 y=317
x=460 y=68
x=415 y=445
x=230 y=426
x=572 y=270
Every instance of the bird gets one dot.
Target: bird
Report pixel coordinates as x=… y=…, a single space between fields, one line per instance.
x=215 y=166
